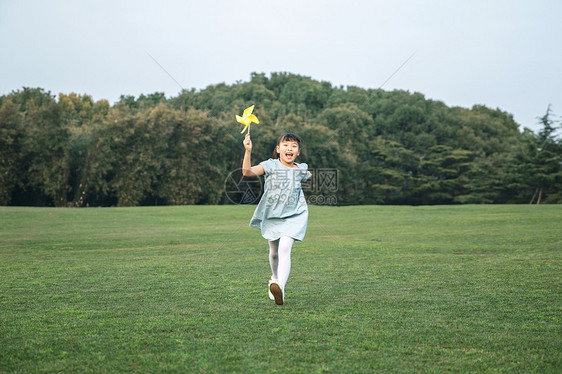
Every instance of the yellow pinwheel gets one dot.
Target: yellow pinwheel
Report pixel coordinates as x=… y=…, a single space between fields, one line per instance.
x=247 y=119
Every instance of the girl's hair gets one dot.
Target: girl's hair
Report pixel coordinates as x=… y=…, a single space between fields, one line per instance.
x=289 y=137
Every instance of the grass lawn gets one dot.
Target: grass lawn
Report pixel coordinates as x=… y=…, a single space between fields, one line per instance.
x=372 y=288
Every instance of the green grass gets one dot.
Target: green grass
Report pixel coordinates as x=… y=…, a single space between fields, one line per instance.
x=372 y=288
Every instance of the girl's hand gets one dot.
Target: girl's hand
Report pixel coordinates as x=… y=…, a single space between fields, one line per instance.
x=248 y=143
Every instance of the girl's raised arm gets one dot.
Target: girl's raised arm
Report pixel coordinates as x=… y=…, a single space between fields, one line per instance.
x=247 y=169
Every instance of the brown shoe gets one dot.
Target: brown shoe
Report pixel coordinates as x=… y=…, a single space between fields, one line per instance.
x=277 y=293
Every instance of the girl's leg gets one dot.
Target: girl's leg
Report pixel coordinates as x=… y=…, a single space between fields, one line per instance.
x=274 y=258
x=284 y=261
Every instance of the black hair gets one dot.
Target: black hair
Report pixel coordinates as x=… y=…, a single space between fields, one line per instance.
x=289 y=137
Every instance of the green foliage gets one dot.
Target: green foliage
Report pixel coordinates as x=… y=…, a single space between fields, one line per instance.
x=11 y=137
x=539 y=164
x=46 y=145
x=388 y=147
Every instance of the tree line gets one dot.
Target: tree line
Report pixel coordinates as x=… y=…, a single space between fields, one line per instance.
x=388 y=147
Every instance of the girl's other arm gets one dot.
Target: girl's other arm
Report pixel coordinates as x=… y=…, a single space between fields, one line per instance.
x=247 y=169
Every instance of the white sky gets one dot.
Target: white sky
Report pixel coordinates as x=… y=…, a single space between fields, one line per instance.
x=504 y=54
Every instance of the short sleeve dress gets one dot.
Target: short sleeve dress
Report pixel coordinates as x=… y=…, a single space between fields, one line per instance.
x=282 y=210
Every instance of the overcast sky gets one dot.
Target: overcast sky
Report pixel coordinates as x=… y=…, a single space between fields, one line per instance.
x=503 y=54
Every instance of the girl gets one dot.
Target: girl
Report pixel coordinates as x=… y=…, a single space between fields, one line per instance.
x=282 y=213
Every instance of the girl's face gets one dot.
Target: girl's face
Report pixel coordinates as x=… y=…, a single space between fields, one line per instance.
x=288 y=150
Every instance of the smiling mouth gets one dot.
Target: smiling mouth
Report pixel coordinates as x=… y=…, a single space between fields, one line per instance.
x=289 y=155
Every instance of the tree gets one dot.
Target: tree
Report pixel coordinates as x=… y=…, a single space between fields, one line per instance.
x=11 y=138
x=125 y=159
x=441 y=177
x=391 y=147
x=46 y=156
x=386 y=175
x=188 y=175
x=540 y=162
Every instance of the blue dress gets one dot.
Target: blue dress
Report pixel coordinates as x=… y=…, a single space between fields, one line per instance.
x=282 y=210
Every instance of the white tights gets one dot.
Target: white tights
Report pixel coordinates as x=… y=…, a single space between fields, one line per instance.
x=280 y=259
